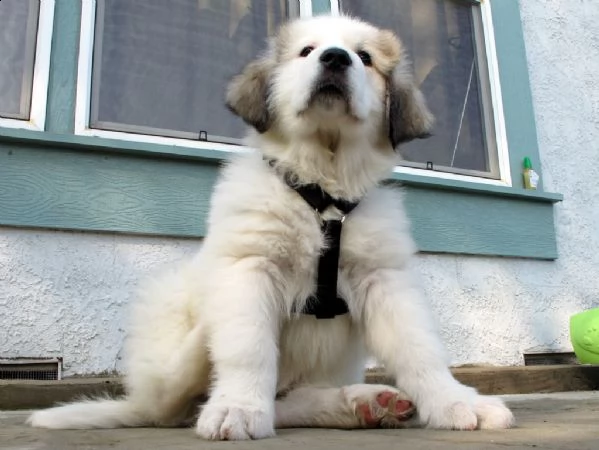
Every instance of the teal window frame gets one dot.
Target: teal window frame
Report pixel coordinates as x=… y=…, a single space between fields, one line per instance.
x=56 y=179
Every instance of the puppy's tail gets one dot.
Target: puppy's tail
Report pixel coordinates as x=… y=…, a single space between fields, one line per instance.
x=89 y=414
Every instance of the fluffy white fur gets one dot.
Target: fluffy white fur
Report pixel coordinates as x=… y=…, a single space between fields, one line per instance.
x=222 y=324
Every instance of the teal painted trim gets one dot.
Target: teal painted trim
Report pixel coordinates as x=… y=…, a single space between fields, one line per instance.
x=321 y=7
x=90 y=143
x=104 y=192
x=466 y=223
x=61 y=181
x=515 y=88
x=65 y=188
x=60 y=114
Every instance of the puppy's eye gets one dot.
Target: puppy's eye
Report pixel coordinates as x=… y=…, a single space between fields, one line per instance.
x=365 y=57
x=306 y=51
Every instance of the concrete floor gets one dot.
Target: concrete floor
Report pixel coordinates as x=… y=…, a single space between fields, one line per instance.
x=545 y=421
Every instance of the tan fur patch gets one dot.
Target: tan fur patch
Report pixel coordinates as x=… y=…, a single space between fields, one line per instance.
x=247 y=95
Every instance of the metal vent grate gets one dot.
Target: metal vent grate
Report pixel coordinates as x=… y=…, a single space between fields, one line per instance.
x=46 y=369
x=550 y=359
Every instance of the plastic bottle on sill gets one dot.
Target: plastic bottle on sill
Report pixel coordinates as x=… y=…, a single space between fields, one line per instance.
x=531 y=178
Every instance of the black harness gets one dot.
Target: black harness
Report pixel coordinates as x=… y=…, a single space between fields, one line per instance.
x=325 y=304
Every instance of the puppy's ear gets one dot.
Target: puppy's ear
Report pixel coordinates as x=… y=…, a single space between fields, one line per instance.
x=409 y=117
x=247 y=94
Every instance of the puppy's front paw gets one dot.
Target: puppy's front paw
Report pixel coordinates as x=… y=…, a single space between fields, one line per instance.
x=492 y=413
x=480 y=412
x=234 y=423
x=454 y=416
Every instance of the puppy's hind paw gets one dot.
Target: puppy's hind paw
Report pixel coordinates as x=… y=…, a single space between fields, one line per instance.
x=380 y=406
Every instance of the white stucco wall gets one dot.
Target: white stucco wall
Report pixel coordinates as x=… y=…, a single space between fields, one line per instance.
x=494 y=309
x=66 y=294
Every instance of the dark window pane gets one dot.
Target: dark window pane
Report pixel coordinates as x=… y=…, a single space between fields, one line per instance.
x=440 y=38
x=18 y=30
x=161 y=67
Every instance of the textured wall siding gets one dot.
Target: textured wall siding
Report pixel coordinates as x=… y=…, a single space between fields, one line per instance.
x=66 y=294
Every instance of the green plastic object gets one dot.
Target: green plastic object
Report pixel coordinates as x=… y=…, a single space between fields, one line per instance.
x=527 y=163
x=584 y=335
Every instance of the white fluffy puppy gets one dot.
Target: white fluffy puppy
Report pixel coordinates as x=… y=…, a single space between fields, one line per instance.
x=328 y=103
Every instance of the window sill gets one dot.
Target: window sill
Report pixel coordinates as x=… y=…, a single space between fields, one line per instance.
x=93 y=143
x=120 y=146
x=478 y=188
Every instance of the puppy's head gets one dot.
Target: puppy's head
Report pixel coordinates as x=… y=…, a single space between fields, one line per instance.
x=335 y=74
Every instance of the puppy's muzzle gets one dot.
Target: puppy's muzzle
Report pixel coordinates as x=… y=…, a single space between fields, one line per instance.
x=331 y=85
x=335 y=59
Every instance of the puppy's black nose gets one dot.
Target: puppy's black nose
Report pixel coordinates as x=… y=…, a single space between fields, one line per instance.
x=335 y=59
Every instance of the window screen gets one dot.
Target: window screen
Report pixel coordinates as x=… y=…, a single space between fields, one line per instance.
x=18 y=36
x=444 y=40
x=161 y=67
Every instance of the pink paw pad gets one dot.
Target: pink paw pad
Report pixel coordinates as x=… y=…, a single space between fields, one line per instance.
x=387 y=410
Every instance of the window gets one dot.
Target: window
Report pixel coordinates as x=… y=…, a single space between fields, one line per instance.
x=25 y=43
x=445 y=41
x=18 y=35
x=161 y=67
x=156 y=71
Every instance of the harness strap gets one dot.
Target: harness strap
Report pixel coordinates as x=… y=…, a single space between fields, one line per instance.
x=325 y=304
